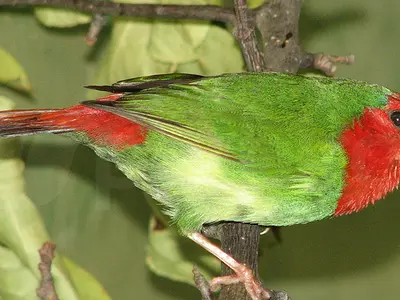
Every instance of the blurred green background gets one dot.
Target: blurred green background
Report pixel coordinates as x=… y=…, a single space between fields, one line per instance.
x=100 y=220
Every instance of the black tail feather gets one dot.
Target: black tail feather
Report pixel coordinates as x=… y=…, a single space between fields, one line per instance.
x=135 y=85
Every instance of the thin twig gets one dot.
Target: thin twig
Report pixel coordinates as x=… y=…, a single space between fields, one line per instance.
x=98 y=23
x=279 y=295
x=198 y=12
x=202 y=284
x=246 y=35
x=46 y=290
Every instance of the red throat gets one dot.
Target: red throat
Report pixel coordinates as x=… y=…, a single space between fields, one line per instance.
x=372 y=146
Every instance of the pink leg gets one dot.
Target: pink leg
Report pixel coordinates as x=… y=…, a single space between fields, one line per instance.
x=243 y=273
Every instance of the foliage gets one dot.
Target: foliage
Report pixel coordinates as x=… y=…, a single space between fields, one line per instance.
x=134 y=48
x=12 y=74
x=22 y=233
x=62 y=18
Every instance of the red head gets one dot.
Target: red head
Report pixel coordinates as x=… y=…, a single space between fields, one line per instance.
x=372 y=146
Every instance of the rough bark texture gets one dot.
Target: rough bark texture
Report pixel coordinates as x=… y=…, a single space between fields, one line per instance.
x=241 y=241
x=278 y=24
x=246 y=34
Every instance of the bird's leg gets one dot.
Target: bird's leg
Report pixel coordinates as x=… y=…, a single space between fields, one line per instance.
x=242 y=273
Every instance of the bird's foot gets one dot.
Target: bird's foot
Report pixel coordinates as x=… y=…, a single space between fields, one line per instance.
x=327 y=63
x=253 y=286
x=242 y=273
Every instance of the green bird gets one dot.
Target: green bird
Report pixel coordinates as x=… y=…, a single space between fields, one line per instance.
x=265 y=148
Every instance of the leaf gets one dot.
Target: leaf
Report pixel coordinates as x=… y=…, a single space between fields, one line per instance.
x=172 y=255
x=12 y=74
x=147 y=47
x=255 y=3
x=21 y=228
x=16 y=281
x=176 y=41
x=60 y=17
x=86 y=285
x=22 y=233
x=180 y=46
x=218 y=54
x=127 y=55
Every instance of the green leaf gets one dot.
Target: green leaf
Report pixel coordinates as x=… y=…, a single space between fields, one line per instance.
x=12 y=74
x=147 y=47
x=127 y=55
x=255 y=3
x=21 y=228
x=22 y=233
x=16 y=281
x=172 y=255
x=86 y=285
x=132 y=53
x=218 y=54
x=59 y=17
x=175 y=42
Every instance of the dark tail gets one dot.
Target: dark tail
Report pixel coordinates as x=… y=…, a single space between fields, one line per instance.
x=25 y=122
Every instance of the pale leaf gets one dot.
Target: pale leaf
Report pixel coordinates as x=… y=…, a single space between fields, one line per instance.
x=59 y=17
x=172 y=255
x=22 y=231
x=12 y=74
x=86 y=285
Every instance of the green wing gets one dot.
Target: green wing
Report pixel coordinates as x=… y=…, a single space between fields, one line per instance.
x=156 y=102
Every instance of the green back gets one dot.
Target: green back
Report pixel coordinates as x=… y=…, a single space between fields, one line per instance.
x=251 y=147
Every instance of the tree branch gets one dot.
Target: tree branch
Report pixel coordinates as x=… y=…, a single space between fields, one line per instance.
x=276 y=20
x=202 y=284
x=246 y=35
x=278 y=23
x=196 y=12
x=241 y=241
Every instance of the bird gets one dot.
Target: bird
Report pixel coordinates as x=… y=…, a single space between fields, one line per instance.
x=272 y=149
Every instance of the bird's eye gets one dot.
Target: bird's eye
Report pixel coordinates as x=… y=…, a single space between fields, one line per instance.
x=395 y=117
